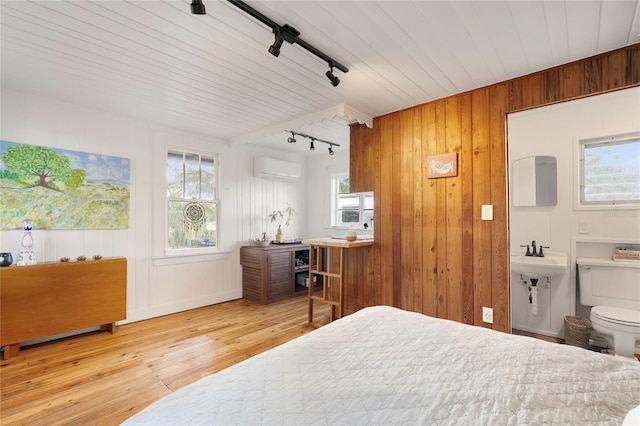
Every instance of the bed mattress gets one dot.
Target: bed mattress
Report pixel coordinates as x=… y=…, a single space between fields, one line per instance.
x=384 y=366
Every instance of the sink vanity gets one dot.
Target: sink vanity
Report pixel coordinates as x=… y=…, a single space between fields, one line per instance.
x=552 y=264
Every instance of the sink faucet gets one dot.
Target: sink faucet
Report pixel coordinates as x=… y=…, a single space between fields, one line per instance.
x=533 y=249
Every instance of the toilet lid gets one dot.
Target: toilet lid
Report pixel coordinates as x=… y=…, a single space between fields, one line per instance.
x=617 y=315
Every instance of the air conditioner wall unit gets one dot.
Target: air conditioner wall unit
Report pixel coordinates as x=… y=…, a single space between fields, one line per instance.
x=269 y=168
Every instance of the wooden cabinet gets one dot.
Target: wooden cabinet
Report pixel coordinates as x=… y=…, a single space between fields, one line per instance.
x=52 y=298
x=270 y=273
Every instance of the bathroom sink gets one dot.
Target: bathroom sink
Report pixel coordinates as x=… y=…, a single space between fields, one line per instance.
x=553 y=263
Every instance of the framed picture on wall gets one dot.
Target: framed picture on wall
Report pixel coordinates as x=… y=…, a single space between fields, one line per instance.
x=62 y=189
x=442 y=165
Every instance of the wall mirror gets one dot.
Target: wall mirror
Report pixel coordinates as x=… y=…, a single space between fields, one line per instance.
x=534 y=181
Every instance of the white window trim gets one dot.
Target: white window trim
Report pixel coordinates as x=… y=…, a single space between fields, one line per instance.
x=190 y=252
x=577 y=175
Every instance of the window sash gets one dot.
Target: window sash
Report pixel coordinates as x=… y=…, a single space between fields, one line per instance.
x=610 y=171
x=192 y=207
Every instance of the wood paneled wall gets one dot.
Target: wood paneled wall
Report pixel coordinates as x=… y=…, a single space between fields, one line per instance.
x=432 y=252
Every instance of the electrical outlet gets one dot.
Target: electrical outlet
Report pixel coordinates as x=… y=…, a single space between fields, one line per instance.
x=487 y=315
x=583 y=227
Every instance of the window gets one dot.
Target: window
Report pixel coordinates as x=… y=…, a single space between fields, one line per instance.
x=351 y=210
x=192 y=205
x=610 y=171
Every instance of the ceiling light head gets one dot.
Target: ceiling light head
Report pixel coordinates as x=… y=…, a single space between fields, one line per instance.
x=312 y=147
x=292 y=139
x=331 y=150
x=197 y=8
x=274 y=49
x=332 y=78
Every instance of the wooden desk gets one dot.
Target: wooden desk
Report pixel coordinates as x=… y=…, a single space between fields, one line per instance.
x=336 y=263
x=58 y=297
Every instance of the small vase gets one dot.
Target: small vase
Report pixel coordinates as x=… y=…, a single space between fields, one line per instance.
x=279 y=236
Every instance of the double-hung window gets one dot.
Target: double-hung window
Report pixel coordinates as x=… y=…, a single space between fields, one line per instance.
x=192 y=201
x=350 y=210
x=610 y=172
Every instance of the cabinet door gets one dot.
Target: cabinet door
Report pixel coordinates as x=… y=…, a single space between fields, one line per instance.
x=280 y=285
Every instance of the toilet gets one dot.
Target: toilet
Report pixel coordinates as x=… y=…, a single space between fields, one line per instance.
x=612 y=289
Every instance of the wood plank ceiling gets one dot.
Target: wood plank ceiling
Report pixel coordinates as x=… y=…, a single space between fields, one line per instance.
x=212 y=74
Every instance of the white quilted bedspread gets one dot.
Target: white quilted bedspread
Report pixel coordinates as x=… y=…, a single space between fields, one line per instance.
x=384 y=366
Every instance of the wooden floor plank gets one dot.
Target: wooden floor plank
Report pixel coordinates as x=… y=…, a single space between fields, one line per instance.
x=104 y=378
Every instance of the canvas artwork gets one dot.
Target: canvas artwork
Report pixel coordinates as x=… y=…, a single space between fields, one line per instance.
x=62 y=189
x=442 y=165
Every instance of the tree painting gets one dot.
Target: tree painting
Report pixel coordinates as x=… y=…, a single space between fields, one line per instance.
x=62 y=189
x=44 y=166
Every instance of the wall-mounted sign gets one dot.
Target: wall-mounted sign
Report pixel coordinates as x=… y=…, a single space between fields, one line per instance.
x=443 y=165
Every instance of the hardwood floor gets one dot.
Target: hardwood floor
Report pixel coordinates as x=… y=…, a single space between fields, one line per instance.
x=103 y=379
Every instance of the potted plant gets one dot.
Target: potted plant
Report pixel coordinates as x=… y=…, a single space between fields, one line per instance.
x=280 y=216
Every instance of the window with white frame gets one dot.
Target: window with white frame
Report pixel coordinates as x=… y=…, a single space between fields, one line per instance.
x=610 y=171
x=192 y=201
x=350 y=210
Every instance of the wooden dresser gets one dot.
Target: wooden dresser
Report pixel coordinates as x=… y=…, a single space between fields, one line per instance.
x=58 y=297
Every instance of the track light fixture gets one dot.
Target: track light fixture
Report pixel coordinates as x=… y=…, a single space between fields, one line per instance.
x=312 y=146
x=274 y=49
x=197 y=8
x=332 y=78
x=282 y=33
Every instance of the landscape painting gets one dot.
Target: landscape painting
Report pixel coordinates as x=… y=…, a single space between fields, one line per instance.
x=62 y=189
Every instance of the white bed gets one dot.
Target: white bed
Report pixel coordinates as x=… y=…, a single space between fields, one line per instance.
x=382 y=366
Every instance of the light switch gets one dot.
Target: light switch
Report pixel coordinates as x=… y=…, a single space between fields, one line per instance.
x=487 y=212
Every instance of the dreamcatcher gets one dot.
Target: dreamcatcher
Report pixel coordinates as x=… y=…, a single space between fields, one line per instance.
x=194 y=216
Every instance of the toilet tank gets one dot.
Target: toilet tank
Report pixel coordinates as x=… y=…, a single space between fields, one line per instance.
x=609 y=283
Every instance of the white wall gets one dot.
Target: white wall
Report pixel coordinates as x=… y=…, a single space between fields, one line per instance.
x=157 y=284
x=555 y=130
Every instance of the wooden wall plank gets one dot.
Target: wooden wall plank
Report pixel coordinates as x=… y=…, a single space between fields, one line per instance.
x=430 y=294
x=454 y=213
x=384 y=214
x=440 y=211
x=405 y=173
x=417 y=222
x=481 y=193
x=465 y=164
x=500 y=288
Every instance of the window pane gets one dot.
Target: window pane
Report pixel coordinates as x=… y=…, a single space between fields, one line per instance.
x=350 y=201
x=192 y=225
x=175 y=175
x=367 y=219
x=349 y=217
x=343 y=185
x=611 y=172
x=367 y=201
x=208 y=178
x=191 y=176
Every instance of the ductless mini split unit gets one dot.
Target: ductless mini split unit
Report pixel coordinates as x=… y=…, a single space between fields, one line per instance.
x=268 y=168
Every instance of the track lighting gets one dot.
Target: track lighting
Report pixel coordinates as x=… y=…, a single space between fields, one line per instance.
x=282 y=33
x=332 y=78
x=312 y=146
x=197 y=8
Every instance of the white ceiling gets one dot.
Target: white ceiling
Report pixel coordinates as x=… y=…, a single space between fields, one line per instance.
x=212 y=74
